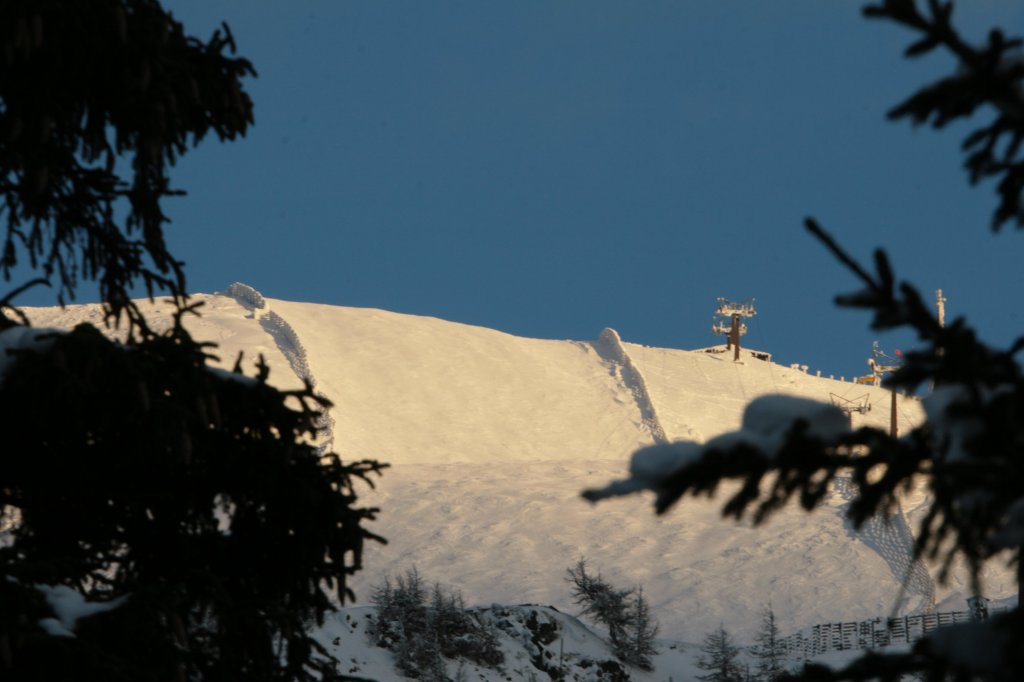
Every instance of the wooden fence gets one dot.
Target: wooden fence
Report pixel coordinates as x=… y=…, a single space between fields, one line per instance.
x=867 y=634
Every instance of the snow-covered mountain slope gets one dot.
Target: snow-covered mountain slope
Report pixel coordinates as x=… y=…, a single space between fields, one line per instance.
x=416 y=390
x=492 y=437
x=225 y=321
x=534 y=640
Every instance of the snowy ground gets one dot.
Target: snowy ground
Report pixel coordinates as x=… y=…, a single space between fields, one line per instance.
x=576 y=649
x=492 y=437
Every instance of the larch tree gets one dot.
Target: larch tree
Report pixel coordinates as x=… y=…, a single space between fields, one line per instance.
x=627 y=615
x=718 y=658
x=642 y=632
x=769 y=657
x=159 y=519
x=607 y=604
x=969 y=453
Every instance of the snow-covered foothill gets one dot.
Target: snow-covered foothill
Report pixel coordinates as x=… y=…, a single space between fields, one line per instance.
x=546 y=643
x=537 y=642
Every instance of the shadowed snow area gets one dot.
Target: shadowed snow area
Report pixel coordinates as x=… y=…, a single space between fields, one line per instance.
x=491 y=438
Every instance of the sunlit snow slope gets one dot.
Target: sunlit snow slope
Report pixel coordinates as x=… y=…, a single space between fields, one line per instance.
x=491 y=437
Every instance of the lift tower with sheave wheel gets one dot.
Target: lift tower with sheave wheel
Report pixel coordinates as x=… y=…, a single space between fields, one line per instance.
x=732 y=311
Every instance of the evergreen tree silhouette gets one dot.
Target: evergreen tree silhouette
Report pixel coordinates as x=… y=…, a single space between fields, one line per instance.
x=768 y=653
x=718 y=656
x=188 y=508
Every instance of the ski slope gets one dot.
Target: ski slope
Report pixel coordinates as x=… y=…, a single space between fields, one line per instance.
x=491 y=438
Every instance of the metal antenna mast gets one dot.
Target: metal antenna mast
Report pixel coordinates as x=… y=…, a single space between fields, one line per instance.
x=736 y=328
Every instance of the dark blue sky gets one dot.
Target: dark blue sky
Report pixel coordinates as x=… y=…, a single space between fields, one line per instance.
x=551 y=168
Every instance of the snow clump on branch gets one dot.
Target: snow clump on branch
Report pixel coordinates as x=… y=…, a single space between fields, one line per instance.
x=766 y=421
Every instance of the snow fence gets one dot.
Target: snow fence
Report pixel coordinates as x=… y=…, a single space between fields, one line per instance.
x=876 y=633
x=246 y=295
x=890 y=536
x=288 y=342
x=291 y=348
x=609 y=347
